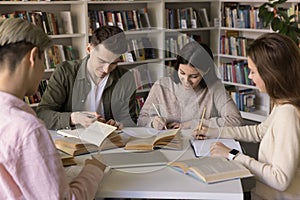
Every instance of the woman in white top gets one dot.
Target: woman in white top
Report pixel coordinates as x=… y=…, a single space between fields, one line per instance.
x=180 y=101
x=274 y=63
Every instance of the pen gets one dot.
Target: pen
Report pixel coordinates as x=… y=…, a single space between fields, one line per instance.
x=88 y=115
x=157 y=112
x=202 y=117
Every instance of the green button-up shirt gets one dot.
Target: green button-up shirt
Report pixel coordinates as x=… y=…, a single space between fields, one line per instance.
x=69 y=86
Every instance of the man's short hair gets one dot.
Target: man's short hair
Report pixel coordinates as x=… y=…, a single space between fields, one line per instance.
x=112 y=37
x=17 y=37
x=16 y=30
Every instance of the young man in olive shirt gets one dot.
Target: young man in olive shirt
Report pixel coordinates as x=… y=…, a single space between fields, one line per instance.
x=94 y=86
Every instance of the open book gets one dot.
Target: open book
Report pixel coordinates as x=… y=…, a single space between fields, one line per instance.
x=150 y=139
x=98 y=136
x=211 y=169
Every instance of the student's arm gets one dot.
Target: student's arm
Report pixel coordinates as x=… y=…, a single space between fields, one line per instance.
x=123 y=100
x=227 y=111
x=55 y=107
x=146 y=114
x=279 y=151
x=42 y=176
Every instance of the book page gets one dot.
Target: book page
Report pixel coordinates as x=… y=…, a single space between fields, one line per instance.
x=144 y=138
x=215 y=169
x=202 y=147
x=169 y=133
x=94 y=134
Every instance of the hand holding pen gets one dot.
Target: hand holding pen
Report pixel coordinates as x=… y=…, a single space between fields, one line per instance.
x=199 y=132
x=158 y=121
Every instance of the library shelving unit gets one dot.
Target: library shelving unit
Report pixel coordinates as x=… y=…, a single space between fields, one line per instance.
x=77 y=39
x=163 y=33
x=240 y=31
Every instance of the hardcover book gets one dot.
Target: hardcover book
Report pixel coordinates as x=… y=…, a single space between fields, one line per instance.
x=211 y=169
x=98 y=136
x=167 y=139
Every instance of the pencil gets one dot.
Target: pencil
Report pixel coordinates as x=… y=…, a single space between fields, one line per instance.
x=157 y=113
x=202 y=117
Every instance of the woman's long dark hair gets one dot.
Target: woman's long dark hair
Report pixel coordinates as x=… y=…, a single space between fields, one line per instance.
x=200 y=56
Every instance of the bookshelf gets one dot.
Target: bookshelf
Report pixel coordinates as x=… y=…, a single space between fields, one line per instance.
x=164 y=35
x=244 y=28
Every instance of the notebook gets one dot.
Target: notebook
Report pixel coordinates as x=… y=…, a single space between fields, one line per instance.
x=202 y=147
x=132 y=159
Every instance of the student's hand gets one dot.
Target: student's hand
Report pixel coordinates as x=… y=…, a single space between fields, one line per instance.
x=84 y=118
x=174 y=125
x=115 y=123
x=205 y=133
x=159 y=123
x=219 y=149
x=95 y=162
x=200 y=134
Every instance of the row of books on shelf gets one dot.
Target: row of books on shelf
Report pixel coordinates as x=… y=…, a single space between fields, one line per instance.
x=58 y=53
x=140 y=49
x=142 y=78
x=124 y=19
x=241 y=16
x=36 y=98
x=174 y=43
x=183 y=18
x=246 y=16
x=51 y=23
x=243 y=98
x=236 y=72
x=235 y=46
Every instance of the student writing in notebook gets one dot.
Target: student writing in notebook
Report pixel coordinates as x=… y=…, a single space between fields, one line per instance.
x=273 y=60
x=30 y=166
x=95 y=87
x=181 y=100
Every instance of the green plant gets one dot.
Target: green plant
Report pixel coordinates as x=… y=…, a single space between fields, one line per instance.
x=272 y=14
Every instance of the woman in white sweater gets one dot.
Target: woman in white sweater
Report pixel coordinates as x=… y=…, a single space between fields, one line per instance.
x=274 y=63
x=180 y=101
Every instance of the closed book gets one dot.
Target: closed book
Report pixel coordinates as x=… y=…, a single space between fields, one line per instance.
x=65 y=18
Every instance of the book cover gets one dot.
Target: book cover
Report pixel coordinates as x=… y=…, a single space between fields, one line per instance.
x=211 y=169
x=74 y=146
x=144 y=18
x=202 y=16
x=67 y=159
x=132 y=159
x=65 y=19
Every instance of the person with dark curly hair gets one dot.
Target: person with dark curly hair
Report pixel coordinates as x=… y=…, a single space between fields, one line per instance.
x=94 y=88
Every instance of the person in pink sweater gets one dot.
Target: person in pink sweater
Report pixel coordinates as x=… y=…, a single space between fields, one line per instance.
x=274 y=63
x=30 y=166
x=193 y=90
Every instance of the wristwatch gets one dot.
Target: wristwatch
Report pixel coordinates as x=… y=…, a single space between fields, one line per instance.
x=232 y=154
